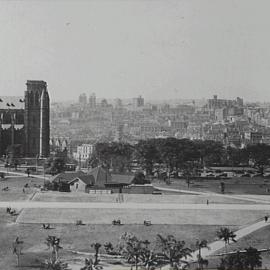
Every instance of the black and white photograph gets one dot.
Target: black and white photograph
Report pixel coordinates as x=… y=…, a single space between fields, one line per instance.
x=134 y=135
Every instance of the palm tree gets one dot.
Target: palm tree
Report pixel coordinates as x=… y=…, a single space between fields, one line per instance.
x=17 y=247
x=172 y=250
x=136 y=251
x=96 y=246
x=53 y=243
x=199 y=245
x=226 y=235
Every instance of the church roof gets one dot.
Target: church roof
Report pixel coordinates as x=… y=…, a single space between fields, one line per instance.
x=11 y=102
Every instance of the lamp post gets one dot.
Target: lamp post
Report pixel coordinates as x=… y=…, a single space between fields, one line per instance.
x=44 y=173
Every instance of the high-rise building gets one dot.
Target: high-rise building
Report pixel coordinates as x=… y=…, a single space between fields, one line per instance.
x=83 y=99
x=92 y=100
x=138 y=102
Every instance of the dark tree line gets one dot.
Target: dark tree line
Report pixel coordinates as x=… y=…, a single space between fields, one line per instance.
x=174 y=155
x=171 y=153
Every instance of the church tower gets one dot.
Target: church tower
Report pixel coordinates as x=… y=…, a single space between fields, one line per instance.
x=37 y=119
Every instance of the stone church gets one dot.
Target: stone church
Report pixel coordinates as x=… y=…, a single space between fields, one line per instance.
x=25 y=122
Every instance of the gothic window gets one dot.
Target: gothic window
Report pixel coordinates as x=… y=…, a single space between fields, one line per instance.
x=31 y=99
x=36 y=99
x=7 y=118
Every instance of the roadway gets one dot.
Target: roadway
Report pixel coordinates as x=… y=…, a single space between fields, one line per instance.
x=131 y=205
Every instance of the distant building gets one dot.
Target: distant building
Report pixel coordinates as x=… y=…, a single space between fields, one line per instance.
x=92 y=101
x=119 y=133
x=82 y=183
x=59 y=144
x=84 y=152
x=83 y=99
x=253 y=137
x=216 y=103
x=221 y=114
x=138 y=102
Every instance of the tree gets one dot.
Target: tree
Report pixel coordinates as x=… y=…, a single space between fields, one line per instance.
x=96 y=247
x=199 y=245
x=226 y=235
x=232 y=262
x=210 y=152
x=53 y=243
x=131 y=248
x=147 y=154
x=115 y=155
x=247 y=260
x=260 y=155
x=139 y=179
x=108 y=247
x=55 y=165
x=236 y=157
x=172 y=250
x=17 y=247
x=137 y=252
x=55 y=265
x=252 y=258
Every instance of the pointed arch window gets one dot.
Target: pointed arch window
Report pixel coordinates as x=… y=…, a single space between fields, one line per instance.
x=36 y=99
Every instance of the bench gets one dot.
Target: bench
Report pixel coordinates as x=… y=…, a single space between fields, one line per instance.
x=147 y=223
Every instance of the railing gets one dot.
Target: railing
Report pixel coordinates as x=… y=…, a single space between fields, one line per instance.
x=100 y=191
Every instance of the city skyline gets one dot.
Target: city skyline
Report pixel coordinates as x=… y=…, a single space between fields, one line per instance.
x=122 y=49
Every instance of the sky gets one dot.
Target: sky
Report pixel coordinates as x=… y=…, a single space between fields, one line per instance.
x=158 y=49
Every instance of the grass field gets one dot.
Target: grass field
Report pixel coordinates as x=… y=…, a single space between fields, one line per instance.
x=79 y=238
x=187 y=225
x=138 y=198
x=16 y=185
x=137 y=216
x=236 y=185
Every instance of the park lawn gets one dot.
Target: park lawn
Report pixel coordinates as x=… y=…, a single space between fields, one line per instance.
x=137 y=216
x=235 y=185
x=79 y=238
x=55 y=196
x=16 y=185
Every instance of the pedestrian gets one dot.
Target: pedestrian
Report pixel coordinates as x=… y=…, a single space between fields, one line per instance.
x=266 y=218
x=23 y=190
x=207 y=202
